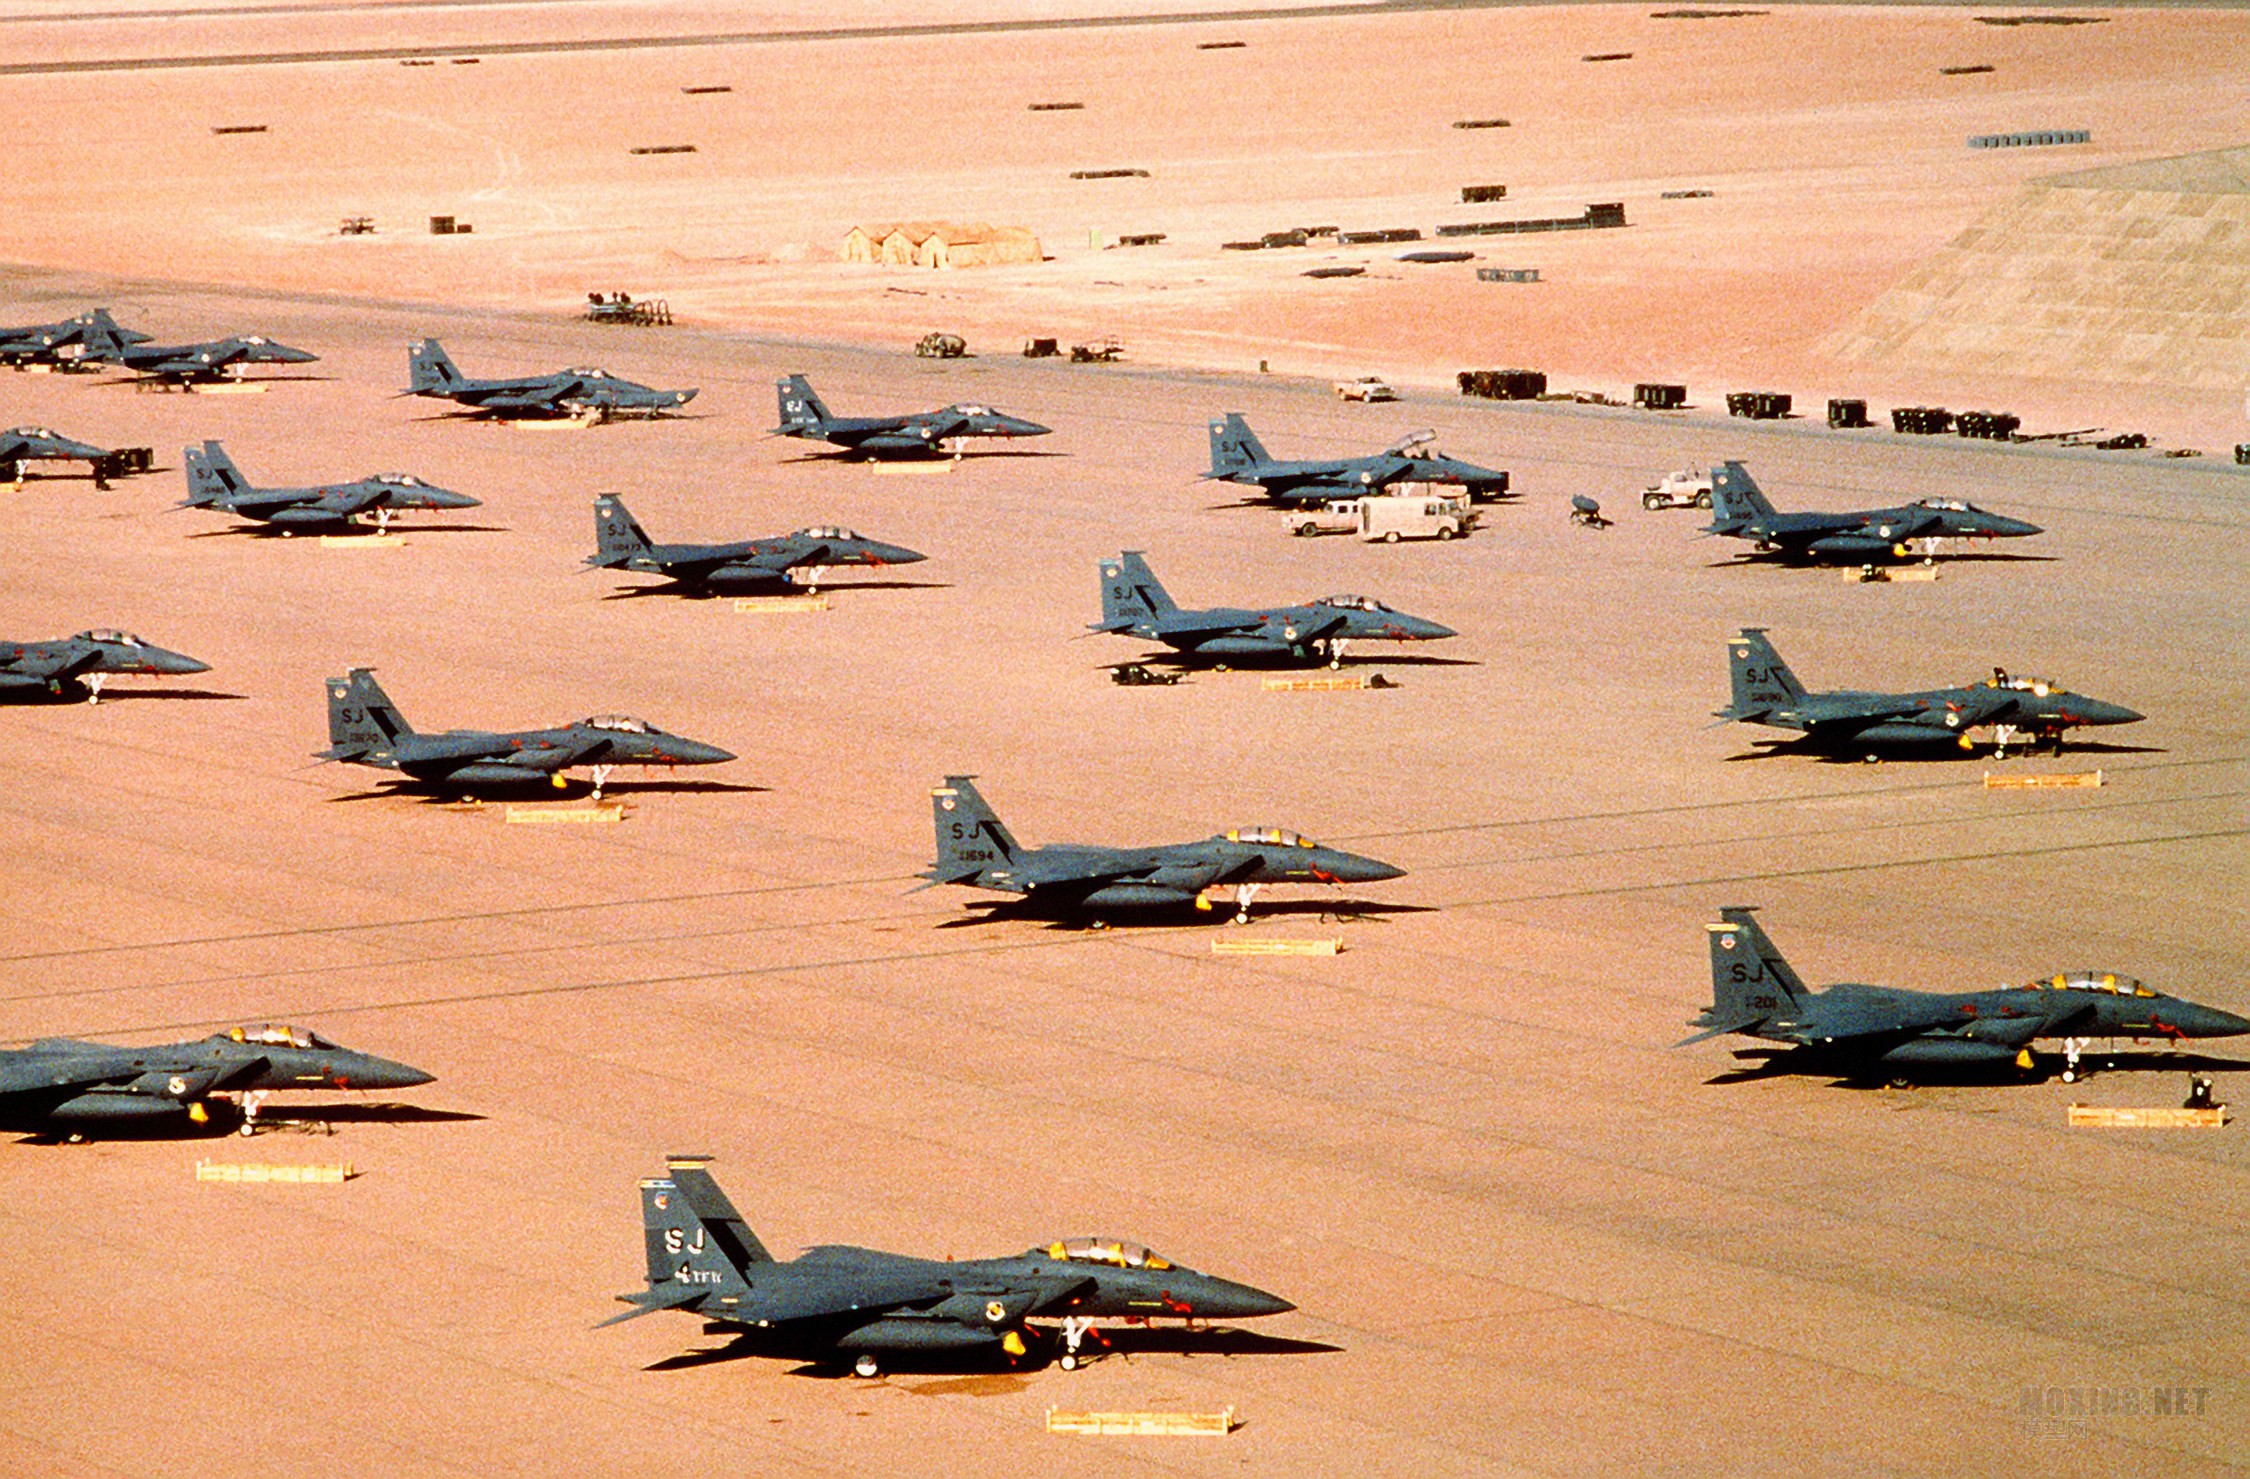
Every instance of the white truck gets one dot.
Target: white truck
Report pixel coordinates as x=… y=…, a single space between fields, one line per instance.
x=1688 y=488
x=1409 y=511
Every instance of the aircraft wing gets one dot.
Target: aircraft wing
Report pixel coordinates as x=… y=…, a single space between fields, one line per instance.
x=1197 y=624
x=860 y=1294
x=179 y=365
x=544 y=399
x=47 y=666
x=256 y=503
x=47 y=1074
x=551 y=758
x=1846 y=716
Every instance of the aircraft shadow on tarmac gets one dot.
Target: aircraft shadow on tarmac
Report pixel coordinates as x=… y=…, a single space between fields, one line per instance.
x=1765 y=1063
x=395 y=530
x=425 y=794
x=871 y=460
x=1188 y=662
x=1327 y=911
x=125 y=695
x=1935 y=754
x=312 y=1116
x=1964 y=557
x=1125 y=1342
x=700 y=593
x=226 y=1121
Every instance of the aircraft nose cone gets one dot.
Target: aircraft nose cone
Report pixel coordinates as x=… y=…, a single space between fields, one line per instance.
x=366 y=1071
x=284 y=354
x=682 y=397
x=2094 y=711
x=1352 y=868
x=447 y=498
x=2204 y=1021
x=1016 y=426
x=158 y=660
x=694 y=752
x=2012 y=528
x=894 y=554
x=1226 y=1300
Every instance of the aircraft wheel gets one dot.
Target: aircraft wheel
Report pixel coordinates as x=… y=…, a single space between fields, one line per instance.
x=2070 y=1075
x=1901 y=1081
x=1068 y=1362
x=1391 y=538
x=867 y=1366
x=1218 y=667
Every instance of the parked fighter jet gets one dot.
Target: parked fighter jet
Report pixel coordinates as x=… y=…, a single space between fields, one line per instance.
x=974 y=850
x=1875 y=1032
x=22 y=444
x=1133 y=604
x=579 y=392
x=833 y=1304
x=1740 y=511
x=43 y=344
x=74 y=667
x=365 y=729
x=59 y=1083
x=622 y=544
x=1238 y=457
x=213 y=481
x=925 y=433
x=1766 y=692
x=190 y=364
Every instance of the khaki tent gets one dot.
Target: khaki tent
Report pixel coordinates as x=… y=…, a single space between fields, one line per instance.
x=940 y=244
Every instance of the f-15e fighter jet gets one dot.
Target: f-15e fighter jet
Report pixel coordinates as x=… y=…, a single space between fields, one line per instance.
x=836 y=1304
x=1766 y=692
x=921 y=434
x=364 y=728
x=74 y=668
x=62 y=1084
x=622 y=544
x=591 y=393
x=1873 y=1033
x=1135 y=605
x=214 y=482
x=1740 y=511
x=1076 y=879
x=1237 y=456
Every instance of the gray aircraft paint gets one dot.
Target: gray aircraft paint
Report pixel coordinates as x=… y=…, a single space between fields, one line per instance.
x=1741 y=511
x=1864 y=1032
x=975 y=850
x=921 y=434
x=1766 y=692
x=575 y=392
x=1237 y=456
x=214 y=482
x=836 y=1304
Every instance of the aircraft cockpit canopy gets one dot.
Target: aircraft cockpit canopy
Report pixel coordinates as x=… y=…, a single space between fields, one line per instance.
x=974 y=410
x=31 y=431
x=111 y=634
x=589 y=372
x=397 y=479
x=275 y=1035
x=623 y=723
x=2109 y=983
x=1352 y=603
x=1950 y=505
x=1273 y=836
x=2042 y=687
x=828 y=531
x=1115 y=1252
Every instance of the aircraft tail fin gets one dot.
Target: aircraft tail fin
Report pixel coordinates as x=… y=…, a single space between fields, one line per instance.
x=1233 y=447
x=430 y=369
x=697 y=1243
x=802 y=413
x=212 y=477
x=618 y=536
x=1735 y=495
x=970 y=837
x=1761 y=681
x=100 y=338
x=361 y=717
x=1131 y=593
x=1749 y=980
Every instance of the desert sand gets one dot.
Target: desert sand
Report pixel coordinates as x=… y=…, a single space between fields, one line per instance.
x=1525 y=1234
